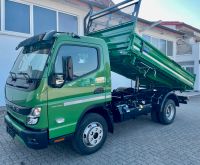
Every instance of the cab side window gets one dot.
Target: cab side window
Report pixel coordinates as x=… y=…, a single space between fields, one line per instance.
x=85 y=59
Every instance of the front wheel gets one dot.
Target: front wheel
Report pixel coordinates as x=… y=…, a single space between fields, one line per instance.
x=91 y=134
x=168 y=113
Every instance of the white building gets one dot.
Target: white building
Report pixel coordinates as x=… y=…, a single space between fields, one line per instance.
x=188 y=49
x=20 y=19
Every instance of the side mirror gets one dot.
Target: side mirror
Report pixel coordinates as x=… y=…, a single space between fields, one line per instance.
x=57 y=80
x=68 y=68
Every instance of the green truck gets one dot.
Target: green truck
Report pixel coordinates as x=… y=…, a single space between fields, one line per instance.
x=60 y=85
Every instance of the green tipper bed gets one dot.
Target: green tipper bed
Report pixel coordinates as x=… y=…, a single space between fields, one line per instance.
x=132 y=57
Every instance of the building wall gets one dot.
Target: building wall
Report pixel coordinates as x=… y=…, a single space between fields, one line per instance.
x=7 y=58
x=188 y=52
x=9 y=40
x=191 y=62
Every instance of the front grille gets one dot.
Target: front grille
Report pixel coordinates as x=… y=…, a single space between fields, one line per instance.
x=14 y=119
x=22 y=124
x=18 y=109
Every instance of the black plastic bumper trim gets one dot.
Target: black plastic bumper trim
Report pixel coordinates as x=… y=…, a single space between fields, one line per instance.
x=33 y=139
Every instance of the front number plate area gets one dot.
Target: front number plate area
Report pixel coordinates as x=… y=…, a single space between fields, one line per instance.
x=11 y=131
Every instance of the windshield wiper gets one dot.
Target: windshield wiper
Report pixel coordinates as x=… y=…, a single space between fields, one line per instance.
x=13 y=77
x=26 y=75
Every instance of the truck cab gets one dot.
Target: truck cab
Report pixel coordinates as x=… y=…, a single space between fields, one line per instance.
x=56 y=78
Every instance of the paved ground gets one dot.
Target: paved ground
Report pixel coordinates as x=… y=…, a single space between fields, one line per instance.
x=188 y=93
x=138 y=142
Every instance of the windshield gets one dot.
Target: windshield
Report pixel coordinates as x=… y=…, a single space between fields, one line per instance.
x=30 y=63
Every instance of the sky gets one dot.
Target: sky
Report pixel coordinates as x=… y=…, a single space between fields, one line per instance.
x=187 y=11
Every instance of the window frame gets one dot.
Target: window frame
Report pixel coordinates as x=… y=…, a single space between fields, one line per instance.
x=167 y=41
x=61 y=12
x=45 y=8
x=20 y=3
x=31 y=5
x=189 y=66
x=98 y=49
x=166 y=52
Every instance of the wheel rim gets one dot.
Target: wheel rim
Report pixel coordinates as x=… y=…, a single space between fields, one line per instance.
x=93 y=134
x=170 y=111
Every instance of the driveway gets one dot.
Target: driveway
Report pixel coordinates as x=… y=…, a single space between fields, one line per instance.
x=139 y=141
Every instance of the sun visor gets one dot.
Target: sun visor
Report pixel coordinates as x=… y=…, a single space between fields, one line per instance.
x=35 y=39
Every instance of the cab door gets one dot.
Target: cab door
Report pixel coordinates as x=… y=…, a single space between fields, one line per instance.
x=66 y=103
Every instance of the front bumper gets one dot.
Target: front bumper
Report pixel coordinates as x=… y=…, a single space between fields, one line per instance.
x=36 y=139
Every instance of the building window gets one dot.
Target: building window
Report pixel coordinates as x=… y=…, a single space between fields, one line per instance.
x=44 y=20
x=147 y=38
x=85 y=59
x=67 y=23
x=155 y=42
x=17 y=17
x=190 y=69
x=169 y=48
x=164 y=46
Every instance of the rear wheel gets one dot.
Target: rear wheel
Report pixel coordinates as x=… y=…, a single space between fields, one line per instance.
x=91 y=134
x=168 y=113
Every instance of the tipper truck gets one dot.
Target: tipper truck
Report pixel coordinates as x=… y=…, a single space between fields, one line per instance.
x=60 y=85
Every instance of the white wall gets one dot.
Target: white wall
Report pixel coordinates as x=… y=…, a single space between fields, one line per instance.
x=8 y=55
x=184 y=57
x=119 y=81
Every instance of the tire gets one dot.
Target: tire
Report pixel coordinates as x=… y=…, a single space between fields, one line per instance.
x=91 y=134
x=155 y=114
x=168 y=113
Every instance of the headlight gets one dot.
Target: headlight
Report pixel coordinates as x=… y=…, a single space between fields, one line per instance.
x=32 y=120
x=34 y=116
x=36 y=112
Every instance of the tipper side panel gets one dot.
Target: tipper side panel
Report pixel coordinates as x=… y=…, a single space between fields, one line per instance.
x=133 y=57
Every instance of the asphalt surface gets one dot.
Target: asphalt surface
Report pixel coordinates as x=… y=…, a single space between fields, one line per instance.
x=139 y=142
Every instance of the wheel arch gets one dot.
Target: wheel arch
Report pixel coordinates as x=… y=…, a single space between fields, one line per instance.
x=101 y=110
x=172 y=96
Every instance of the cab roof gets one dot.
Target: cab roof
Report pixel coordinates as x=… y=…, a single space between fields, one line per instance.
x=49 y=37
